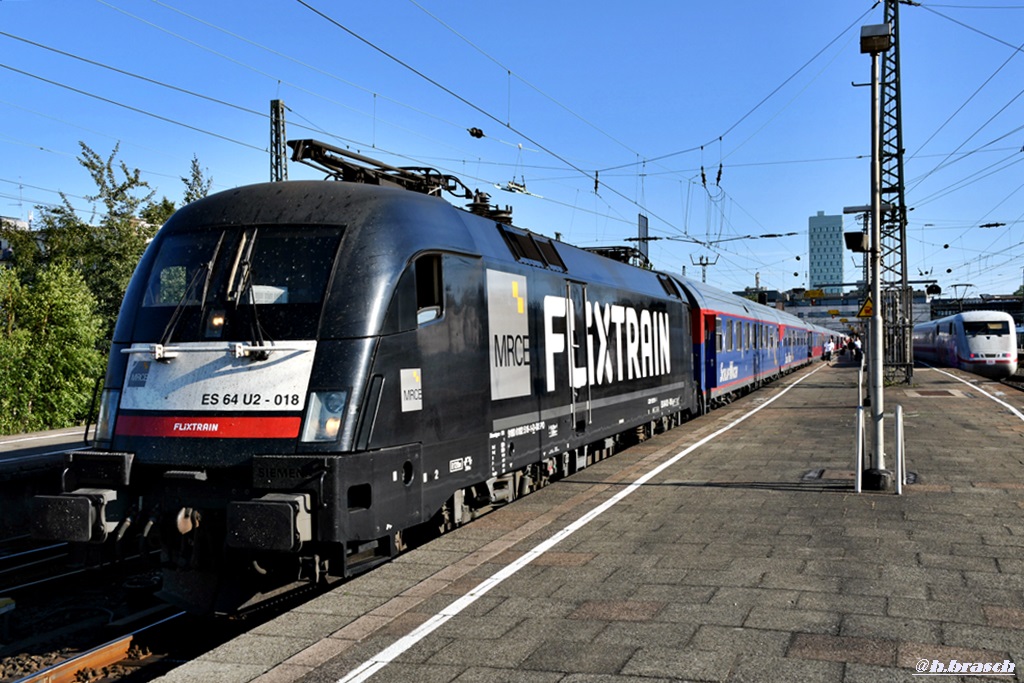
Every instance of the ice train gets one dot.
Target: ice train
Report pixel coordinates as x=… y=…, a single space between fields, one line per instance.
x=981 y=342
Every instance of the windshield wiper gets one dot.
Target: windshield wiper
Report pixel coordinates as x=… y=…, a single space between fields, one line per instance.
x=172 y=324
x=238 y=278
x=241 y=289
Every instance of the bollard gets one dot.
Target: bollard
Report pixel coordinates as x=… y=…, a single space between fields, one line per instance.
x=901 y=468
x=858 y=465
x=860 y=384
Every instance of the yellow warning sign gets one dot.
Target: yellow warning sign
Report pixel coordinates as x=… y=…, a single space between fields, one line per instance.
x=867 y=309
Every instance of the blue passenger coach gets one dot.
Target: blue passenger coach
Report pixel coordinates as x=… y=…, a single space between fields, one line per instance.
x=739 y=344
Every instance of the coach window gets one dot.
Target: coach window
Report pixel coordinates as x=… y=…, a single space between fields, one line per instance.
x=718 y=334
x=728 y=335
x=429 y=289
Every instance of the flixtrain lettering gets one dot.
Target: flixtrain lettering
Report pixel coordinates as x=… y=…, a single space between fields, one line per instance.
x=623 y=342
x=728 y=373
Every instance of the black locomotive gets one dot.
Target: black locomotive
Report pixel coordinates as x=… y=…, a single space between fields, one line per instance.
x=304 y=373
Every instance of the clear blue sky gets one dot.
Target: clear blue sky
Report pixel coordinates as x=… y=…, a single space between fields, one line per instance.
x=648 y=92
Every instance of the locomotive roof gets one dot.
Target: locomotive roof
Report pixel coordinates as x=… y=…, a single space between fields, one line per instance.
x=387 y=212
x=979 y=316
x=971 y=317
x=399 y=223
x=314 y=202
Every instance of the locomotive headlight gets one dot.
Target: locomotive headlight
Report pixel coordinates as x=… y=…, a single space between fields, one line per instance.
x=108 y=414
x=215 y=324
x=324 y=415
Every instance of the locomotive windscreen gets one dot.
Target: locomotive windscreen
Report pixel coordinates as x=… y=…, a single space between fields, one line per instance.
x=238 y=284
x=986 y=327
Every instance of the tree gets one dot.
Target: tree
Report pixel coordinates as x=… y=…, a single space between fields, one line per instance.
x=60 y=294
x=49 y=332
x=105 y=251
x=23 y=244
x=156 y=214
x=197 y=185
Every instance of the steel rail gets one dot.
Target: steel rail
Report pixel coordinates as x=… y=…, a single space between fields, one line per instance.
x=101 y=656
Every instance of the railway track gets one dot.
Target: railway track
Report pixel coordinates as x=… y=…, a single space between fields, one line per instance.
x=142 y=645
x=104 y=660
x=44 y=565
x=55 y=600
x=1015 y=382
x=26 y=557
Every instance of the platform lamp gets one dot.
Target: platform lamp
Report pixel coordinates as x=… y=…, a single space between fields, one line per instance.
x=875 y=39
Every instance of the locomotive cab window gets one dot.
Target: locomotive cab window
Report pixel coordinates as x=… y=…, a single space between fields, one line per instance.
x=418 y=298
x=429 y=289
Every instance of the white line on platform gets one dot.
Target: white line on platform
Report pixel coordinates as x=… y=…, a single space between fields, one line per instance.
x=975 y=386
x=44 y=436
x=389 y=654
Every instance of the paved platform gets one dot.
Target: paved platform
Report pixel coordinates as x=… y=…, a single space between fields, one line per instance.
x=28 y=453
x=749 y=558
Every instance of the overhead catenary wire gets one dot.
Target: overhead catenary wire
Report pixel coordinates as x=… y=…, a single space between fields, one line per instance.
x=512 y=73
x=507 y=123
x=237 y=62
x=465 y=101
x=282 y=55
x=754 y=108
x=137 y=110
x=648 y=169
x=191 y=93
x=654 y=214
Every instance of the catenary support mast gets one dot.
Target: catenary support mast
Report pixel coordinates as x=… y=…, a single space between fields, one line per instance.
x=278 y=149
x=897 y=296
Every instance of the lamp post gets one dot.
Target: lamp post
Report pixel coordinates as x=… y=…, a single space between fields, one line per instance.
x=875 y=39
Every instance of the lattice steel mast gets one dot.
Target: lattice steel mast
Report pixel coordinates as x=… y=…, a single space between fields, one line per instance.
x=897 y=303
x=278 y=150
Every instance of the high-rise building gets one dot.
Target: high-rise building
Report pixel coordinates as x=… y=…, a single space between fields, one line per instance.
x=825 y=252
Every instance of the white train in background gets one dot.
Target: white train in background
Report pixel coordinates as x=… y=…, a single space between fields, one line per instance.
x=982 y=342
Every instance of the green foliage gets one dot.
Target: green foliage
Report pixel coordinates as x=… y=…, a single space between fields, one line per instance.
x=156 y=214
x=197 y=185
x=60 y=298
x=23 y=243
x=118 y=196
x=49 y=361
x=104 y=252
